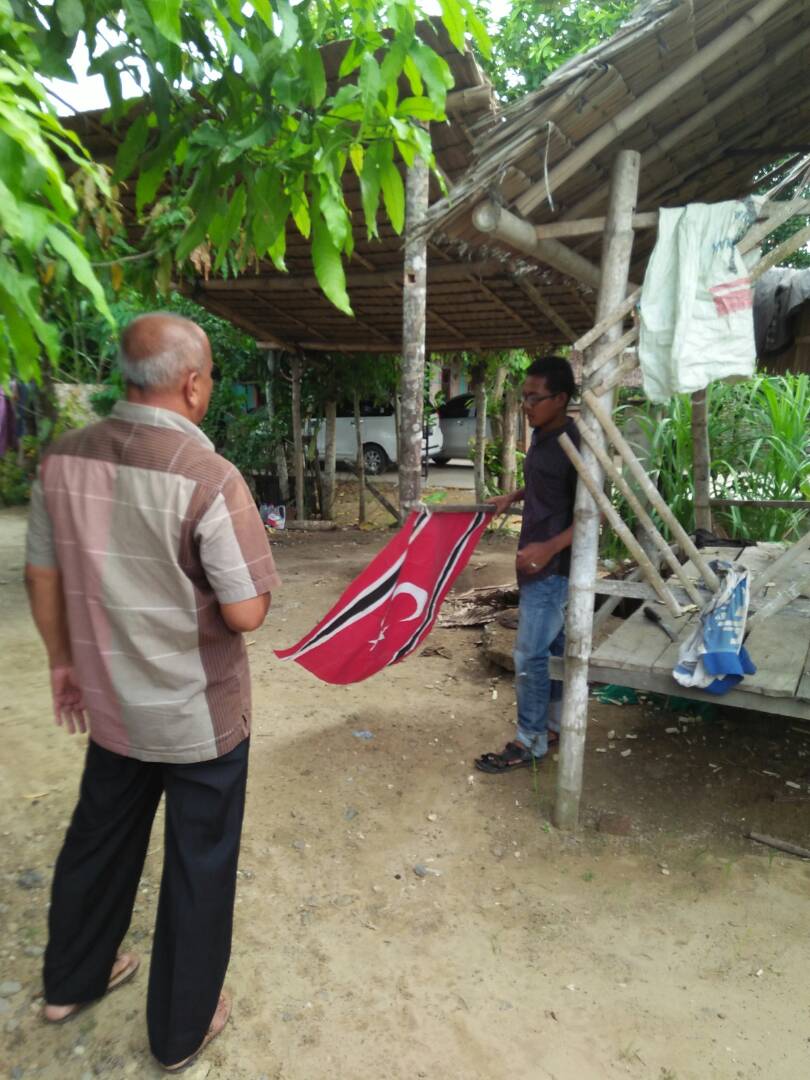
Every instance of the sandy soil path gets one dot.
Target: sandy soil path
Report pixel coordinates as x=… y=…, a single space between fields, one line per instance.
x=676 y=951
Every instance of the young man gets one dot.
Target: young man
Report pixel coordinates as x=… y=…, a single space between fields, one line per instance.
x=146 y=561
x=542 y=563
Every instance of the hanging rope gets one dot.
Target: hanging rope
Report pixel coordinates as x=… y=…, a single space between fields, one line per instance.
x=549 y=125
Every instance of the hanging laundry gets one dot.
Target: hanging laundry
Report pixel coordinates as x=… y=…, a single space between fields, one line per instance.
x=696 y=307
x=778 y=296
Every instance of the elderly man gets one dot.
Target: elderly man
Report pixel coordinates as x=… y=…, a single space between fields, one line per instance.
x=146 y=562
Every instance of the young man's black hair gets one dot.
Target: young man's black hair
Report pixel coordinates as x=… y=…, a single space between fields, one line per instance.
x=557 y=372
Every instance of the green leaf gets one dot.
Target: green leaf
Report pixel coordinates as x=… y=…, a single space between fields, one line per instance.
x=332 y=208
x=24 y=291
x=328 y=266
x=312 y=65
x=147 y=185
x=371 y=84
x=19 y=335
x=413 y=76
x=434 y=70
x=21 y=220
x=130 y=150
x=71 y=16
x=479 y=32
x=166 y=16
x=289 y=25
x=232 y=223
x=300 y=214
x=264 y=11
x=82 y=270
x=420 y=108
x=454 y=21
x=270 y=208
x=393 y=191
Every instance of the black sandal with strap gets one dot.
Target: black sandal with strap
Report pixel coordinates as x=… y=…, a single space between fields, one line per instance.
x=513 y=756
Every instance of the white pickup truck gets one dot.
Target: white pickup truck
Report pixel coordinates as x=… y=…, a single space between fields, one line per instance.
x=379 y=434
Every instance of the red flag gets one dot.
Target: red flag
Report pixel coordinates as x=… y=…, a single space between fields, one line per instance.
x=390 y=609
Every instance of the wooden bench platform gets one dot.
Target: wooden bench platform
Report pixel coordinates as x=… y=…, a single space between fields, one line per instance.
x=638 y=653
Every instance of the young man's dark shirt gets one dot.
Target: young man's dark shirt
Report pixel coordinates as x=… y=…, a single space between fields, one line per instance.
x=548 y=503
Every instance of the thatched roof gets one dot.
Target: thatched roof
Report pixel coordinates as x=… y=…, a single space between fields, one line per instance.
x=707 y=117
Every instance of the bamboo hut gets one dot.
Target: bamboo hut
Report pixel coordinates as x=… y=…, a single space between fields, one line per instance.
x=691 y=100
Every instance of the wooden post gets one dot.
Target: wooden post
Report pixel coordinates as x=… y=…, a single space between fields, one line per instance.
x=616 y=250
x=360 y=463
x=414 y=301
x=701 y=460
x=296 y=370
x=329 y=462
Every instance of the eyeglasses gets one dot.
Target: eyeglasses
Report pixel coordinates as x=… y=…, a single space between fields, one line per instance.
x=535 y=399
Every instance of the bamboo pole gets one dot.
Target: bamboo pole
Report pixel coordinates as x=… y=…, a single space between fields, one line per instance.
x=620 y=312
x=614 y=377
x=589 y=226
x=776 y=603
x=783 y=563
x=658 y=94
x=620 y=528
x=414 y=304
x=776 y=214
x=701 y=460
x=638 y=509
x=616 y=252
x=296 y=369
x=488 y=217
x=649 y=489
x=787 y=247
x=601 y=357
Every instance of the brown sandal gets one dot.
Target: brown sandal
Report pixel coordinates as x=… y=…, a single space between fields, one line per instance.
x=133 y=962
x=223 y=1007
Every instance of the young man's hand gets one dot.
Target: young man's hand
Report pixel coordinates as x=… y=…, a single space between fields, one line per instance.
x=533 y=558
x=501 y=503
x=68 y=703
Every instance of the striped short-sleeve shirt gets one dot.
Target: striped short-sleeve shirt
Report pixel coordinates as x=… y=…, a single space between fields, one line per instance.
x=152 y=531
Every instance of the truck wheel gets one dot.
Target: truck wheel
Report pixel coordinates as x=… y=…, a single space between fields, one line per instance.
x=375 y=459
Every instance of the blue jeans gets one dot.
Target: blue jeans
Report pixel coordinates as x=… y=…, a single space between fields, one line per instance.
x=541 y=633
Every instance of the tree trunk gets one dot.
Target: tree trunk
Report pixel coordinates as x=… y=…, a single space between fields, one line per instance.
x=329 y=460
x=480 y=433
x=701 y=460
x=361 y=463
x=616 y=251
x=511 y=416
x=279 y=456
x=496 y=420
x=414 y=298
x=296 y=368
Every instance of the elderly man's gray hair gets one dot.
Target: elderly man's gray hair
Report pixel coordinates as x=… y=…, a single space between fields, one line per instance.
x=158 y=349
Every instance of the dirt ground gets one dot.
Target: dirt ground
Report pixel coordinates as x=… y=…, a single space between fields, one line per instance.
x=677 y=951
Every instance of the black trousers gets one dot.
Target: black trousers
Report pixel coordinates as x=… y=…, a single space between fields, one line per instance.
x=96 y=880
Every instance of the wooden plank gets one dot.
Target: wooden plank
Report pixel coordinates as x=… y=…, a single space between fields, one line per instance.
x=779 y=649
x=661 y=683
x=636 y=645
